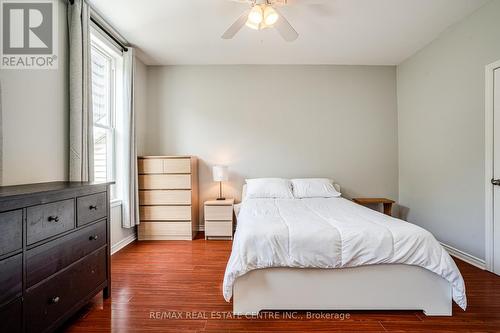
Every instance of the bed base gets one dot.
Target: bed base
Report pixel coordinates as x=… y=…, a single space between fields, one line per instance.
x=374 y=287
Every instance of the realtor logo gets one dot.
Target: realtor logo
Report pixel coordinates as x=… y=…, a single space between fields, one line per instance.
x=29 y=36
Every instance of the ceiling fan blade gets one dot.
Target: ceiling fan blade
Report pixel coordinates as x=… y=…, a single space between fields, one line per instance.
x=285 y=29
x=236 y=26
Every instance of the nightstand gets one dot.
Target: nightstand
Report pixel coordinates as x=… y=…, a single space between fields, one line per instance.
x=387 y=203
x=219 y=219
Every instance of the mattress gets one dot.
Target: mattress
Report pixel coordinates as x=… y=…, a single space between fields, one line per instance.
x=331 y=233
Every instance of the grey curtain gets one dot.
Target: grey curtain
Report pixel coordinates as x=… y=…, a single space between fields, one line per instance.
x=80 y=94
x=130 y=204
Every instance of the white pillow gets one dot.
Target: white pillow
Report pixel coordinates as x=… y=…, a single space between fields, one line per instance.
x=314 y=188
x=268 y=188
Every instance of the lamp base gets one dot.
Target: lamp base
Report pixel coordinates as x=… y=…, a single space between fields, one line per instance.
x=221 y=198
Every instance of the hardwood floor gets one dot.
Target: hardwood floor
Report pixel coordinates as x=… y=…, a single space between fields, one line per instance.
x=183 y=279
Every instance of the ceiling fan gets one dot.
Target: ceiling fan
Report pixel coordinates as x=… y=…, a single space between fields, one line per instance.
x=263 y=14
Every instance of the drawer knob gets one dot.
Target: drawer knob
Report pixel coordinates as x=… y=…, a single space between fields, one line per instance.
x=54 y=300
x=93 y=207
x=94 y=237
x=53 y=219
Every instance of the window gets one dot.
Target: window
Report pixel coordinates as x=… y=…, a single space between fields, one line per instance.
x=103 y=109
x=106 y=62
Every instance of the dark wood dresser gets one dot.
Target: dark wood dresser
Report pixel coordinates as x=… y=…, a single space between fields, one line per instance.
x=54 y=252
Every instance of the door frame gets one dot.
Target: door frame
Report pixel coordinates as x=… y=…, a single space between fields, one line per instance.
x=489 y=140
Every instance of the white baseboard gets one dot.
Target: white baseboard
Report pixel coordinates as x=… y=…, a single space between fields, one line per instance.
x=124 y=242
x=468 y=258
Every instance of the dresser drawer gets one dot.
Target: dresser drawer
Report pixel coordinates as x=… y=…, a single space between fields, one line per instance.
x=165 y=197
x=44 y=221
x=165 y=182
x=11 y=277
x=165 y=213
x=218 y=213
x=218 y=228
x=49 y=258
x=177 y=165
x=11 y=317
x=11 y=230
x=47 y=302
x=164 y=165
x=165 y=231
x=91 y=208
x=150 y=165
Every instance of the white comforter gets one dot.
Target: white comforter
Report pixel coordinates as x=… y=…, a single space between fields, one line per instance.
x=331 y=233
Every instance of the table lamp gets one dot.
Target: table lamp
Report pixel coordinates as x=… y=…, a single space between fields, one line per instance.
x=219 y=173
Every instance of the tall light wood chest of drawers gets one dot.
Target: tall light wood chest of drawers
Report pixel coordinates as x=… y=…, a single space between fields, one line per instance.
x=168 y=197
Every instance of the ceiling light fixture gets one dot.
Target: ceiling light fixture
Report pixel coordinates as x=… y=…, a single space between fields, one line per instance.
x=262 y=16
x=270 y=16
x=256 y=15
x=252 y=25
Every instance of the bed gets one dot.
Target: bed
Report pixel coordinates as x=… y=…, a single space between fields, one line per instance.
x=332 y=254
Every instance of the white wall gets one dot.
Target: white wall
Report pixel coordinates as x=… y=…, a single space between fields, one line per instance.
x=120 y=237
x=35 y=119
x=441 y=130
x=284 y=121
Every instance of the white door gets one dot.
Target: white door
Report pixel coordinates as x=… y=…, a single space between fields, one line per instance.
x=496 y=172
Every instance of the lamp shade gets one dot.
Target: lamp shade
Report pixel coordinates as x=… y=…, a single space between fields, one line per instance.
x=219 y=173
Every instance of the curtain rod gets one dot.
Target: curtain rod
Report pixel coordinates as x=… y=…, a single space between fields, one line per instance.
x=106 y=31
x=110 y=35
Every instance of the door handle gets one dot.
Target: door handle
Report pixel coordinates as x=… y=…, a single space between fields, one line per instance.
x=495 y=182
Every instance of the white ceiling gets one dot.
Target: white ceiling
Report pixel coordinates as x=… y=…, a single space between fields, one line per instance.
x=361 y=32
